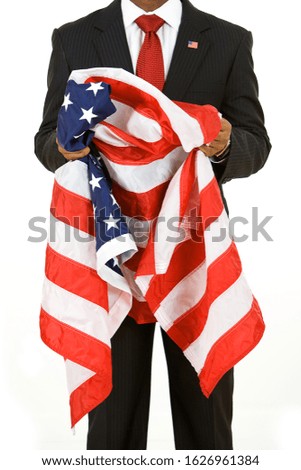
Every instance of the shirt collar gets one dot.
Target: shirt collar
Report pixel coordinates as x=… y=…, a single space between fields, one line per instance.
x=170 y=12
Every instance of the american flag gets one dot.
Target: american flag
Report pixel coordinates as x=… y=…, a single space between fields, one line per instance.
x=183 y=263
x=193 y=44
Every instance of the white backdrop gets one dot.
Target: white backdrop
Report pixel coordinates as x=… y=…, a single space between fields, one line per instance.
x=267 y=407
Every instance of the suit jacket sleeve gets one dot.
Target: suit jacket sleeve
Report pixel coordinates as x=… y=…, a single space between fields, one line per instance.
x=250 y=145
x=45 y=139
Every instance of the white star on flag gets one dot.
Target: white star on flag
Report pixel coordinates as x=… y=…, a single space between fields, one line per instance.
x=88 y=115
x=111 y=222
x=77 y=136
x=115 y=262
x=67 y=101
x=95 y=87
x=113 y=199
x=95 y=182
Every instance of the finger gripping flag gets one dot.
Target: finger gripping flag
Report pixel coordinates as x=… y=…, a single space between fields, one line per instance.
x=140 y=230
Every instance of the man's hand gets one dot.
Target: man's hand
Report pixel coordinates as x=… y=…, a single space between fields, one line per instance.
x=72 y=155
x=218 y=145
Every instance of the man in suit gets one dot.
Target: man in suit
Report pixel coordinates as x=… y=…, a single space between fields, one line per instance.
x=204 y=60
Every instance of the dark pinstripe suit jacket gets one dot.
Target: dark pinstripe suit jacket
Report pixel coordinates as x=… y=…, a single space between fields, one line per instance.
x=219 y=72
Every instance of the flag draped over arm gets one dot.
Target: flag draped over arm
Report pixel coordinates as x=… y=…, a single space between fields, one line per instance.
x=140 y=228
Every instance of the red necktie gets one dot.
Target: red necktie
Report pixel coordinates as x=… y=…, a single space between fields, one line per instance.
x=150 y=65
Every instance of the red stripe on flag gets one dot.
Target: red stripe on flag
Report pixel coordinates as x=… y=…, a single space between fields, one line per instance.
x=142 y=206
x=63 y=208
x=182 y=263
x=147 y=260
x=230 y=348
x=145 y=152
x=74 y=344
x=141 y=312
x=133 y=262
x=76 y=278
x=220 y=276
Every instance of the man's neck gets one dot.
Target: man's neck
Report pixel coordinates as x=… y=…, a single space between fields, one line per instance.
x=149 y=5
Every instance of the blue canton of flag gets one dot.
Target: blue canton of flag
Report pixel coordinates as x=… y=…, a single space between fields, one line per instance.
x=84 y=106
x=110 y=224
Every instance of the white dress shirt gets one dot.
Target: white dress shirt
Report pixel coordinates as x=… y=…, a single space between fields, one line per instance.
x=170 y=12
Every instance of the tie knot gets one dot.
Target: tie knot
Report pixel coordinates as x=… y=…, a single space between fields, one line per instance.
x=149 y=23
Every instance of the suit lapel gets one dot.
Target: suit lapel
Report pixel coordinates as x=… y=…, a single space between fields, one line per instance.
x=110 y=39
x=185 y=61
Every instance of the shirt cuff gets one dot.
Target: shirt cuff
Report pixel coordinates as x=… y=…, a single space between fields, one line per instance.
x=220 y=159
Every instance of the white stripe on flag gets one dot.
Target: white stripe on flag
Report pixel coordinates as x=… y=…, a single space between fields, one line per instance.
x=76 y=311
x=167 y=235
x=123 y=246
x=217 y=238
x=143 y=282
x=142 y=178
x=134 y=123
x=190 y=290
x=76 y=180
x=113 y=278
x=72 y=243
x=76 y=375
x=203 y=169
x=120 y=304
x=230 y=307
x=130 y=277
x=105 y=134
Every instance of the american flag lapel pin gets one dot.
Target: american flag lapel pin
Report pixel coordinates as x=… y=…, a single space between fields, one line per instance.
x=192 y=45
